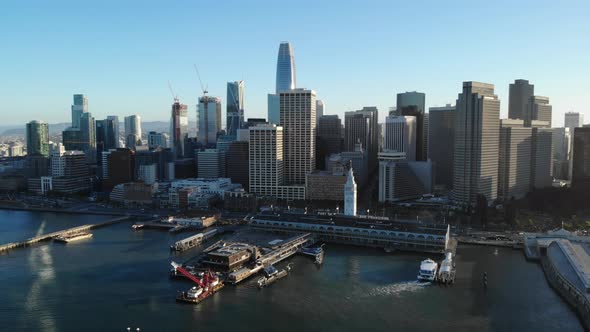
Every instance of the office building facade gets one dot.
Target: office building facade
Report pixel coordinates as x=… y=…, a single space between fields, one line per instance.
x=178 y=128
x=208 y=120
x=413 y=104
x=520 y=94
x=362 y=127
x=400 y=135
x=441 y=142
x=235 y=107
x=37 y=137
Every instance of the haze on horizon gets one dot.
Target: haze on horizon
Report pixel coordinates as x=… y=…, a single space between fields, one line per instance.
x=122 y=55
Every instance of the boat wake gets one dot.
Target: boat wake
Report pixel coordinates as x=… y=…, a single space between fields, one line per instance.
x=398 y=288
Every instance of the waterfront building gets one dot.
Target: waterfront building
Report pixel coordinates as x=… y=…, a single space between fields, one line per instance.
x=298 y=119
x=413 y=104
x=235 y=107
x=178 y=129
x=132 y=131
x=380 y=232
x=329 y=138
x=403 y=180
x=520 y=94
x=362 y=127
x=573 y=120
x=350 y=194
x=477 y=124
x=286 y=77
x=79 y=107
x=208 y=120
x=133 y=193
x=37 y=137
x=581 y=157
x=158 y=140
x=69 y=173
x=400 y=135
x=514 y=175
x=211 y=163
x=441 y=142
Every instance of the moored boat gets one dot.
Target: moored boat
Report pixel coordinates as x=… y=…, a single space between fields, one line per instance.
x=428 y=269
x=72 y=237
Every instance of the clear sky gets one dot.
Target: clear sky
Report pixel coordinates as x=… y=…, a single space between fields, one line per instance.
x=121 y=54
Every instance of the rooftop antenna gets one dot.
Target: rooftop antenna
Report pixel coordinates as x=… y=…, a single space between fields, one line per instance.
x=204 y=89
x=175 y=96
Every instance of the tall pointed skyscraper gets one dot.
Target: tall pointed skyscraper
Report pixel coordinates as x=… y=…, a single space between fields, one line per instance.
x=235 y=107
x=286 y=79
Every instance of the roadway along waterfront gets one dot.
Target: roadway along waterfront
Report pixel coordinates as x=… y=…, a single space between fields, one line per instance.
x=119 y=279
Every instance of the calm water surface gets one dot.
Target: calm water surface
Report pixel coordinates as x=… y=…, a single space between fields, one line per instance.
x=119 y=278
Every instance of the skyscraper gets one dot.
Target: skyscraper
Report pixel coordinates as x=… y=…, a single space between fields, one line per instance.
x=132 y=131
x=538 y=108
x=37 y=138
x=441 y=142
x=329 y=138
x=319 y=109
x=179 y=127
x=413 y=104
x=82 y=138
x=514 y=162
x=266 y=159
x=79 y=107
x=574 y=120
x=209 y=120
x=115 y=120
x=286 y=78
x=477 y=121
x=581 y=157
x=400 y=135
x=235 y=107
x=519 y=96
x=362 y=127
x=106 y=138
x=542 y=152
x=298 y=119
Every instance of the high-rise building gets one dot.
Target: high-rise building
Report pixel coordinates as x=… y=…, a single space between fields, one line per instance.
x=132 y=131
x=286 y=78
x=329 y=138
x=79 y=107
x=561 y=143
x=82 y=138
x=475 y=169
x=413 y=104
x=319 y=109
x=357 y=159
x=158 y=140
x=211 y=163
x=542 y=152
x=106 y=135
x=538 y=109
x=237 y=161
x=362 y=127
x=115 y=120
x=441 y=142
x=266 y=159
x=37 y=138
x=519 y=96
x=121 y=166
x=400 y=135
x=209 y=120
x=350 y=194
x=298 y=120
x=573 y=120
x=515 y=157
x=178 y=128
x=581 y=157
x=403 y=180
x=274 y=111
x=235 y=107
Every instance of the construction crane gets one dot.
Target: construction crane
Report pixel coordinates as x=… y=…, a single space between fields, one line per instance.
x=203 y=88
x=175 y=96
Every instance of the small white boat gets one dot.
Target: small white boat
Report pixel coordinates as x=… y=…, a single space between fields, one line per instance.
x=194 y=292
x=428 y=269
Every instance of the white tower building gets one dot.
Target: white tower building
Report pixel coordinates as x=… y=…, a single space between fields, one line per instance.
x=350 y=195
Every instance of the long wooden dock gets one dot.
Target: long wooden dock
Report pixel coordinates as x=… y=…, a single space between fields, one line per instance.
x=48 y=236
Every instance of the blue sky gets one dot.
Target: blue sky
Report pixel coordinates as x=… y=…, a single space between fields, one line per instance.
x=121 y=54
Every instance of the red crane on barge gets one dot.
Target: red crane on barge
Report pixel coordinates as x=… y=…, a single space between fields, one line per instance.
x=208 y=285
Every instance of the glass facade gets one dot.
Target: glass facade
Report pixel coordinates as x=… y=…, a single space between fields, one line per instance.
x=286 y=79
x=235 y=107
x=37 y=138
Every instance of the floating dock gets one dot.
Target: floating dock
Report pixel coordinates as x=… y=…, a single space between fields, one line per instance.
x=72 y=237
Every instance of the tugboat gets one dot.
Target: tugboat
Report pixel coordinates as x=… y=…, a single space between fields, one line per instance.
x=208 y=285
x=272 y=275
x=427 y=271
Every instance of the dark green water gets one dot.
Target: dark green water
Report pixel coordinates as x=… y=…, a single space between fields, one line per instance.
x=119 y=279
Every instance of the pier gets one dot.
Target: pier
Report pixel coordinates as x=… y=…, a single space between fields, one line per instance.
x=48 y=236
x=193 y=241
x=172 y=228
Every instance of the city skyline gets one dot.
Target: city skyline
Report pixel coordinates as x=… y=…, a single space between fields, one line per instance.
x=131 y=77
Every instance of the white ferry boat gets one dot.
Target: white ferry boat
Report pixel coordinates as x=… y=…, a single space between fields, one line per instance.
x=428 y=269
x=72 y=237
